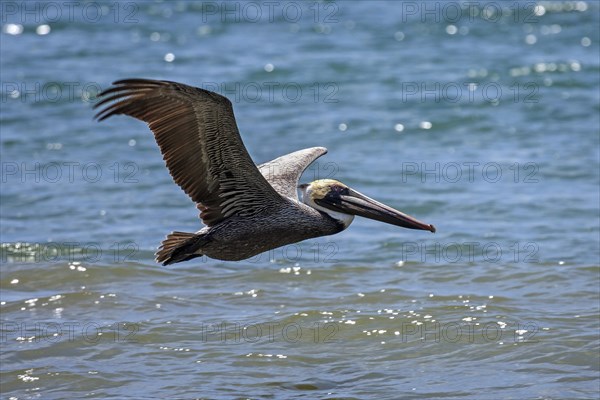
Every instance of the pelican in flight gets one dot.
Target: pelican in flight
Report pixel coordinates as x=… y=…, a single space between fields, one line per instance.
x=247 y=209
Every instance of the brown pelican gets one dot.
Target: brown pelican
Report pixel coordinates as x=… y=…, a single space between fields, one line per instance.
x=247 y=209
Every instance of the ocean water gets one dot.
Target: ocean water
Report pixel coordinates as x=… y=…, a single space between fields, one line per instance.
x=481 y=118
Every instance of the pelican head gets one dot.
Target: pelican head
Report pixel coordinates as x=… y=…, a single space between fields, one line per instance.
x=342 y=203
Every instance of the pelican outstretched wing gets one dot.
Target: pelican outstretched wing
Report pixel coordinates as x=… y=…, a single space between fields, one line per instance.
x=283 y=172
x=200 y=143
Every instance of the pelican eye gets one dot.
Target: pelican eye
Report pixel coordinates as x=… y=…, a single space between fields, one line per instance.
x=336 y=191
x=340 y=190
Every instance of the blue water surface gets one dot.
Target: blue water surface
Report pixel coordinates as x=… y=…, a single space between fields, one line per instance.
x=481 y=118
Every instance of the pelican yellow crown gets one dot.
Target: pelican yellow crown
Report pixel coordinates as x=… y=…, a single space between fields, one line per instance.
x=321 y=187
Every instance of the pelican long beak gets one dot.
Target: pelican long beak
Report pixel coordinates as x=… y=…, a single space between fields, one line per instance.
x=356 y=203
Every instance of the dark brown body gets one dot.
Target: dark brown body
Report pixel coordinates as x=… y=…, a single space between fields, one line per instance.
x=238 y=238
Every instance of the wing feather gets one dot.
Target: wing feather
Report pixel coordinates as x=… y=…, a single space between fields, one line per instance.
x=200 y=143
x=284 y=172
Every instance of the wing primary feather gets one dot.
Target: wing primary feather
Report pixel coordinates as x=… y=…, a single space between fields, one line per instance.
x=198 y=137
